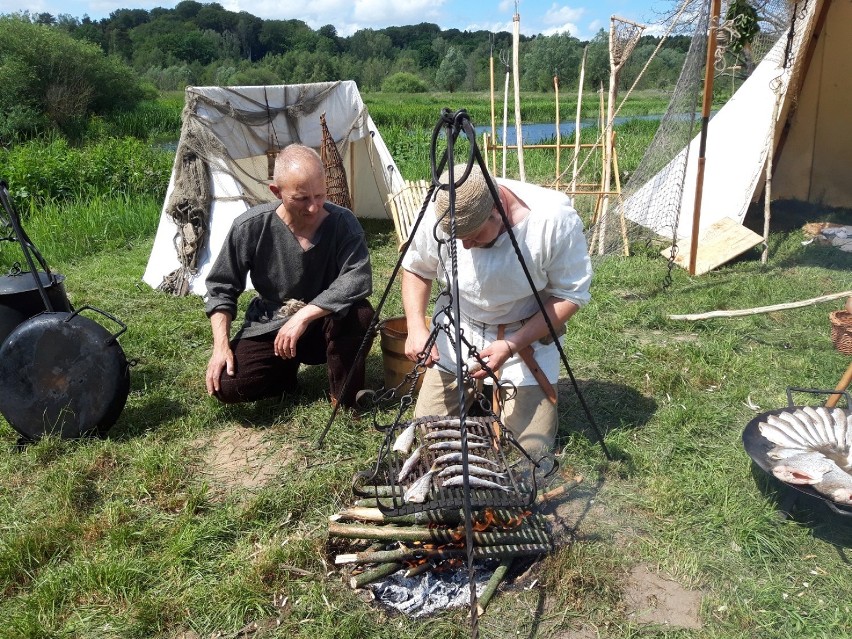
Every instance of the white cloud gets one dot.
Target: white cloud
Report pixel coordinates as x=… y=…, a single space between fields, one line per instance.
x=382 y=12
x=561 y=15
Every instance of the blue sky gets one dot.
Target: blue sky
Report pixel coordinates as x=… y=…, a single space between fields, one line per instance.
x=582 y=19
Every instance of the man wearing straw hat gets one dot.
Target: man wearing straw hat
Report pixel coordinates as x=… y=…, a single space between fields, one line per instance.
x=309 y=264
x=499 y=313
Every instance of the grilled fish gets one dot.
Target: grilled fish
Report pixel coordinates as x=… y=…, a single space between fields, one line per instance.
x=456 y=458
x=475 y=482
x=454 y=434
x=458 y=469
x=404 y=440
x=409 y=464
x=456 y=445
x=417 y=492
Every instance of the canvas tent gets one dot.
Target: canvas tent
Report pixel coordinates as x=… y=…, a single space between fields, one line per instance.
x=227 y=137
x=793 y=106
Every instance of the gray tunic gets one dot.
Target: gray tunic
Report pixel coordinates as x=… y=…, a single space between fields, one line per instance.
x=332 y=274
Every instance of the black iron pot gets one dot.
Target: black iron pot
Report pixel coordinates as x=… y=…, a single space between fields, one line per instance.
x=63 y=374
x=20 y=298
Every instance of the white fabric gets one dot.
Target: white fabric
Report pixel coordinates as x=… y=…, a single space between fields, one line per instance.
x=371 y=172
x=493 y=288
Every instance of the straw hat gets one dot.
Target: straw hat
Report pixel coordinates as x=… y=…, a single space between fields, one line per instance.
x=473 y=201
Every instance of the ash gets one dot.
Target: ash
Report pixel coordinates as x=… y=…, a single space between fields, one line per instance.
x=431 y=592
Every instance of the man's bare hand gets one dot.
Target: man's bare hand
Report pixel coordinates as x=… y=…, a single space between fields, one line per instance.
x=414 y=343
x=219 y=361
x=289 y=335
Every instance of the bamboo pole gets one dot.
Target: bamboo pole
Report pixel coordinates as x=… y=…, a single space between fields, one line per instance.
x=409 y=554
x=842 y=385
x=705 y=121
x=519 y=135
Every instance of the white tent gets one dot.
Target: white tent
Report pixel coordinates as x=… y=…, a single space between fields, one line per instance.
x=239 y=127
x=808 y=131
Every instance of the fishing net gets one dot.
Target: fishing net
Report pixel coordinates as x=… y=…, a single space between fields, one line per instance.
x=747 y=32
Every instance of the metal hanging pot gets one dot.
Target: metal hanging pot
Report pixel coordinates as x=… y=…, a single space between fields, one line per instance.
x=20 y=298
x=63 y=374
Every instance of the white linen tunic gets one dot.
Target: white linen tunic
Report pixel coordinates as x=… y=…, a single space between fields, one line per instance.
x=493 y=288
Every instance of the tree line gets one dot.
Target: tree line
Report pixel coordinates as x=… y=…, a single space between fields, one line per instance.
x=58 y=71
x=197 y=43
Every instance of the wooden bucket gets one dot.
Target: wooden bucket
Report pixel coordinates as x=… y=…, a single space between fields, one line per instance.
x=393 y=333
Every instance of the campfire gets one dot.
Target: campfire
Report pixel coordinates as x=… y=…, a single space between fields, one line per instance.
x=408 y=519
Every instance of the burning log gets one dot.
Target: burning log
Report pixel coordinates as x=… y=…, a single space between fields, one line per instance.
x=373 y=574
x=522 y=534
x=500 y=517
x=410 y=554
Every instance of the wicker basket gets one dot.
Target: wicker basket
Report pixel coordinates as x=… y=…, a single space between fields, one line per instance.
x=841 y=330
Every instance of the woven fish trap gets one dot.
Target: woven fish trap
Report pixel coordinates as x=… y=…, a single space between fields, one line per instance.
x=841 y=331
x=336 y=186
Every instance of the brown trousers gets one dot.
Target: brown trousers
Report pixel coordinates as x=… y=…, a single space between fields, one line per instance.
x=259 y=373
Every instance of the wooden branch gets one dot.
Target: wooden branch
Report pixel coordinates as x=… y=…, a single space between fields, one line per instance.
x=373 y=574
x=761 y=309
x=493 y=583
x=408 y=554
x=447 y=517
x=522 y=534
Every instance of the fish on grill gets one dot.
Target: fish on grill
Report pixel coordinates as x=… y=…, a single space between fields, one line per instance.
x=475 y=482
x=404 y=440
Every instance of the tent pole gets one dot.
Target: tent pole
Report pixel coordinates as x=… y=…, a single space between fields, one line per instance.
x=516 y=30
x=577 y=120
x=558 y=132
x=715 y=9
x=493 y=121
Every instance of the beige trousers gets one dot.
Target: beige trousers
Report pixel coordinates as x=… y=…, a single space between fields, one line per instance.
x=529 y=415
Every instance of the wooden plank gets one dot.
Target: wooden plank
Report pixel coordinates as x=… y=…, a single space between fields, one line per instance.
x=718 y=243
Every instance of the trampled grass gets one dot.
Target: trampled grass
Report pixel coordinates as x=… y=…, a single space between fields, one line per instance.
x=135 y=536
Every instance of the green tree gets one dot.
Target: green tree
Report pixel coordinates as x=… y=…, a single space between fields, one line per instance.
x=45 y=71
x=404 y=83
x=452 y=71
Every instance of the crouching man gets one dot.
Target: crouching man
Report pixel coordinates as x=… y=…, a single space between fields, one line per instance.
x=308 y=261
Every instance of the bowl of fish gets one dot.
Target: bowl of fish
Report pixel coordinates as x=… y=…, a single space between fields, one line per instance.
x=808 y=448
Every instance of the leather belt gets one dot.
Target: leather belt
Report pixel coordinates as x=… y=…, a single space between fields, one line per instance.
x=527 y=354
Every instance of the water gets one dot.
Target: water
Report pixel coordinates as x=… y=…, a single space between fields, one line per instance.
x=537 y=132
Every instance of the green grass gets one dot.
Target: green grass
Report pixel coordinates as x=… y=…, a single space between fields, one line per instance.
x=129 y=537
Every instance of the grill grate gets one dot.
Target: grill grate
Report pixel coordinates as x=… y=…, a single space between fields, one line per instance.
x=436 y=443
